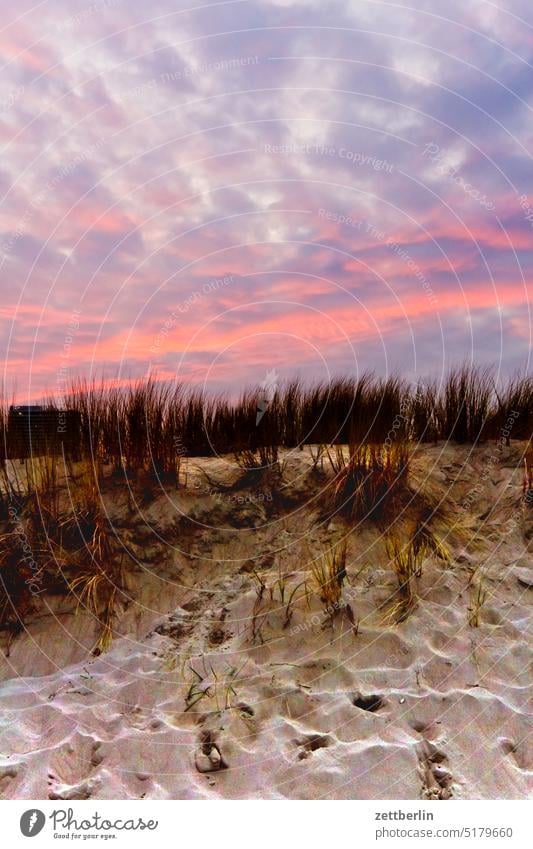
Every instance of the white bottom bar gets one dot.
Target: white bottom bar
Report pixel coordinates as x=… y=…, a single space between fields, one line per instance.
x=257 y=824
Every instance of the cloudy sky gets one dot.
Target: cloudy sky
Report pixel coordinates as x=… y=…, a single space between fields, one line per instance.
x=212 y=191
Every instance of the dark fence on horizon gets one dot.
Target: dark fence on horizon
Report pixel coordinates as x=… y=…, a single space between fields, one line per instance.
x=36 y=431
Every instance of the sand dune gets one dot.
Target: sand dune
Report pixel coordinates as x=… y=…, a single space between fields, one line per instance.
x=207 y=692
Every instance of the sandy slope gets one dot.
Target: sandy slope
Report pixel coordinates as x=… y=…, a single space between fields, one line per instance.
x=310 y=708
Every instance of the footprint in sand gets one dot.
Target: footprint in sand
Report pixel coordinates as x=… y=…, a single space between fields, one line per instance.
x=96 y=755
x=70 y=792
x=208 y=757
x=217 y=636
x=436 y=779
x=7 y=774
x=516 y=752
x=428 y=730
x=72 y=767
x=312 y=743
x=371 y=703
x=245 y=710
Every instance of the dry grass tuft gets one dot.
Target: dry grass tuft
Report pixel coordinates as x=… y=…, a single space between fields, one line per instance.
x=16 y=577
x=407 y=565
x=91 y=552
x=478 y=596
x=406 y=553
x=328 y=574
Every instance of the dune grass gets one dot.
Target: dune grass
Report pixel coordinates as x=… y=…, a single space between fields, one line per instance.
x=152 y=424
x=514 y=405
x=407 y=565
x=408 y=543
x=365 y=427
x=369 y=484
x=58 y=538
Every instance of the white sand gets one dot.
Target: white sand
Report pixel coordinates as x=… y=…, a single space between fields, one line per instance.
x=450 y=704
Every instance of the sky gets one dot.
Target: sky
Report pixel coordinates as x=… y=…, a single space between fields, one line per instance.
x=232 y=192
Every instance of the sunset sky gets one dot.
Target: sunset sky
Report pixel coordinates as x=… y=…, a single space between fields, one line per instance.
x=212 y=191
